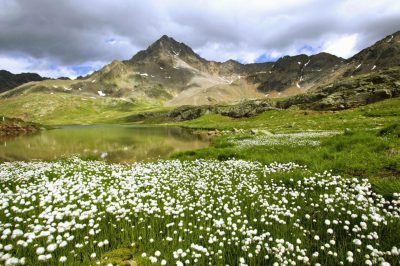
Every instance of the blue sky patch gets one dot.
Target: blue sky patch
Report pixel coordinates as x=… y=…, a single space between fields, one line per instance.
x=266 y=58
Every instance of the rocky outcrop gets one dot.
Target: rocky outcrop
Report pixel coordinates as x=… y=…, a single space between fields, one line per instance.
x=240 y=110
x=245 y=109
x=350 y=92
x=188 y=112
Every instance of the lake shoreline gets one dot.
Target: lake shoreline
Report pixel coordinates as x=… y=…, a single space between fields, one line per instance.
x=12 y=127
x=111 y=143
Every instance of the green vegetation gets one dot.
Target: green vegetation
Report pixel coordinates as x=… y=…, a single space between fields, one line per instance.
x=367 y=144
x=123 y=256
x=362 y=154
x=371 y=116
x=65 y=108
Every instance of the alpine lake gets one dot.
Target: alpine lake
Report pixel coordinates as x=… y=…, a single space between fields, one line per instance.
x=112 y=143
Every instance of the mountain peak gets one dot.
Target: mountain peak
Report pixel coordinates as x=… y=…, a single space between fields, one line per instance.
x=168 y=44
x=165 y=46
x=166 y=38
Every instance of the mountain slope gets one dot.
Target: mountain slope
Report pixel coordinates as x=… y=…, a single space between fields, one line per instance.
x=383 y=54
x=300 y=71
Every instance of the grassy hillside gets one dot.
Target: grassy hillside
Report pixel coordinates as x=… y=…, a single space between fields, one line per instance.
x=64 y=108
x=367 y=117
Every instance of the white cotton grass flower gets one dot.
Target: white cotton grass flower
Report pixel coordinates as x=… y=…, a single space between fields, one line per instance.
x=17 y=233
x=40 y=250
x=11 y=261
x=350 y=259
x=395 y=251
x=42 y=257
x=63 y=244
x=51 y=247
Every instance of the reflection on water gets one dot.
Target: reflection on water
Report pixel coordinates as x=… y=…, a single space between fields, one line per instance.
x=111 y=143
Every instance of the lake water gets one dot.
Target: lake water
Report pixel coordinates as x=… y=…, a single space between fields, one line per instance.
x=111 y=143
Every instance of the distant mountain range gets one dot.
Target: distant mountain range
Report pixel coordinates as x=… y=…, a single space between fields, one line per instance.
x=9 y=80
x=171 y=73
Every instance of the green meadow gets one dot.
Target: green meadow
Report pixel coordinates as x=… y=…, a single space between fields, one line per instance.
x=286 y=187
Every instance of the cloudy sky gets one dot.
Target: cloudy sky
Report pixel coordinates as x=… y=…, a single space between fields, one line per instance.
x=74 y=37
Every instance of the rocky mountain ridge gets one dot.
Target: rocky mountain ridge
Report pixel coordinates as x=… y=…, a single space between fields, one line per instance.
x=171 y=73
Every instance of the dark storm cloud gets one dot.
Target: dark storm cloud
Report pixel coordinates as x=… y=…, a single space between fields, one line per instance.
x=63 y=30
x=91 y=33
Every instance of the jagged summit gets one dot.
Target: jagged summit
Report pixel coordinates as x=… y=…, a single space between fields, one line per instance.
x=165 y=47
x=166 y=40
x=166 y=43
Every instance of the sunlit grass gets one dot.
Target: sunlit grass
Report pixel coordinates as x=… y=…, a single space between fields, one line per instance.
x=294 y=120
x=65 y=108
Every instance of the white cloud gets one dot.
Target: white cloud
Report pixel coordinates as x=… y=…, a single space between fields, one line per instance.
x=343 y=46
x=19 y=64
x=14 y=64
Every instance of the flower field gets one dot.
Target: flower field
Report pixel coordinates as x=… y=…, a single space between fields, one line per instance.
x=201 y=212
x=293 y=139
